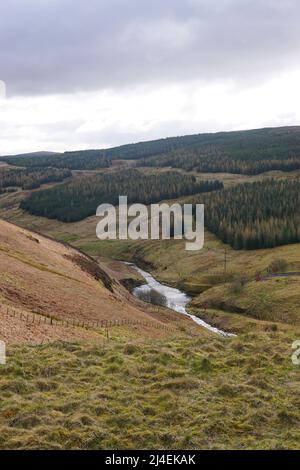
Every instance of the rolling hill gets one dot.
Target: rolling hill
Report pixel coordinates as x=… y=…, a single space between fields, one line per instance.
x=42 y=280
x=111 y=368
x=245 y=152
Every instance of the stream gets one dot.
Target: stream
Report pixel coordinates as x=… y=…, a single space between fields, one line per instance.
x=159 y=294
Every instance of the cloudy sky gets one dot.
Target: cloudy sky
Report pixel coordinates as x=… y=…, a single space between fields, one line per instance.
x=98 y=73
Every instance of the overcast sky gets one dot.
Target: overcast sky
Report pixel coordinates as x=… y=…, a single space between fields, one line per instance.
x=98 y=73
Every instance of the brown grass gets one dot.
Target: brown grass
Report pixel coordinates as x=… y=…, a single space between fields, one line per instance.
x=42 y=276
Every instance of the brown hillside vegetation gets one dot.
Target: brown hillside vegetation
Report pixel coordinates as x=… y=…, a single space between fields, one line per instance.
x=43 y=278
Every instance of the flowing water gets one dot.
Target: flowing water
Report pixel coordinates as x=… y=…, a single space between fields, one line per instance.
x=159 y=294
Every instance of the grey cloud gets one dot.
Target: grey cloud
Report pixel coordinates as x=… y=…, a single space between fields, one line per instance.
x=114 y=135
x=58 y=46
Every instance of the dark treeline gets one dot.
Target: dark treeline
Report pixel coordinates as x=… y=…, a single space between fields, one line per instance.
x=30 y=178
x=255 y=215
x=248 y=152
x=213 y=160
x=80 y=198
x=95 y=157
x=80 y=160
x=261 y=144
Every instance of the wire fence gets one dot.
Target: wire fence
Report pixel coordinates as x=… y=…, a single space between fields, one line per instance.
x=40 y=319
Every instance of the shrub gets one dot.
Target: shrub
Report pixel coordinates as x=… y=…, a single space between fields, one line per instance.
x=278 y=266
x=237 y=284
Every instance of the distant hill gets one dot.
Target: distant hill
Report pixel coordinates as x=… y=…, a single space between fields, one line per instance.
x=77 y=160
x=246 y=152
x=31 y=154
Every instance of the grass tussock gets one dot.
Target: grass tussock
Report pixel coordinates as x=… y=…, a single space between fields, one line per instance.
x=184 y=393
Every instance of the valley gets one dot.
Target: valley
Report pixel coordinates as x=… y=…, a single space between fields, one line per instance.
x=200 y=274
x=71 y=320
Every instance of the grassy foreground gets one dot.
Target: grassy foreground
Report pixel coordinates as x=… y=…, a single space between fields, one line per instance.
x=204 y=393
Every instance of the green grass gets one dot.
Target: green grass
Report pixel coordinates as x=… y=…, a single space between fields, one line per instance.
x=67 y=237
x=275 y=299
x=182 y=393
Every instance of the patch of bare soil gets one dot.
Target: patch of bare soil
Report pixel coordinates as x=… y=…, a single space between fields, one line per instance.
x=91 y=267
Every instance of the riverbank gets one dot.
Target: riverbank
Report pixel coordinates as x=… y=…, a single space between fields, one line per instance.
x=169 y=297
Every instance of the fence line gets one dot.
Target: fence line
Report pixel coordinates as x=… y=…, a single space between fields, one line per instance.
x=52 y=321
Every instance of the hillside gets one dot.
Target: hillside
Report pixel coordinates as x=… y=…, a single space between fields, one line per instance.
x=236 y=393
x=251 y=221
x=41 y=278
x=31 y=154
x=108 y=388
x=245 y=152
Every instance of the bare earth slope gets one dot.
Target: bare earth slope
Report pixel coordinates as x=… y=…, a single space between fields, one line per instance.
x=41 y=276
